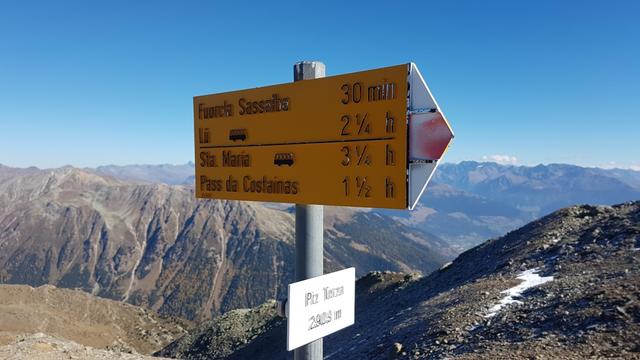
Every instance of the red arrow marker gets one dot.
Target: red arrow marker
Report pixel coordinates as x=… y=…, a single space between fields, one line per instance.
x=429 y=136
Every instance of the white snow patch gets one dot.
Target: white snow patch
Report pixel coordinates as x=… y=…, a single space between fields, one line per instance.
x=555 y=241
x=530 y=279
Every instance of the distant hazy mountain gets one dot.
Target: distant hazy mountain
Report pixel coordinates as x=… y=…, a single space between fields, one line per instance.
x=158 y=246
x=470 y=201
x=541 y=189
x=165 y=173
x=461 y=218
x=562 y=287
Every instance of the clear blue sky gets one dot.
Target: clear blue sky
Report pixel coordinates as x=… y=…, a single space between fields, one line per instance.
x=91 y=83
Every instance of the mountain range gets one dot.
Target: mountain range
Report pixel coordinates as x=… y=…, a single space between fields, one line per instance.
x=469 y=202
x=563 y=286
x=155 y=245
x=541 y=189
x=162 y=173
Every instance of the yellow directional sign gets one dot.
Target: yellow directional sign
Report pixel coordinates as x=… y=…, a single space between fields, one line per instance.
x=346 y=173
x=340 y=140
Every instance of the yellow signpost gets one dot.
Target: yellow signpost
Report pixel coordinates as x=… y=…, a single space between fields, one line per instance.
x=338 y=140
x=370 y=139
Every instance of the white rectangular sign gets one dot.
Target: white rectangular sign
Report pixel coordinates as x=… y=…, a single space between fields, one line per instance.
x=320 y=306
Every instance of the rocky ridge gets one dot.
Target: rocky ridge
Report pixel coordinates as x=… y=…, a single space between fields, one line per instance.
x=221 y=336
x=569 y=285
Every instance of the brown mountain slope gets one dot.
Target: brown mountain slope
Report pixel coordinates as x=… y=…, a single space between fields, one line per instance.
x=156 y=245
x=83 y=318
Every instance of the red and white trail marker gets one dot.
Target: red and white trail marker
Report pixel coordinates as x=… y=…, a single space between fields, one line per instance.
x=429 y=135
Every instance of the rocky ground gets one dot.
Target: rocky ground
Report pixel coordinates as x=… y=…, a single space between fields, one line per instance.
x=220 y=337
x=84 y=319
x=583 y=265
x=44 y=347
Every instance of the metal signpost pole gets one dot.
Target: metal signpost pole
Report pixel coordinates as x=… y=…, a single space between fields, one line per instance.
x=309 y=226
